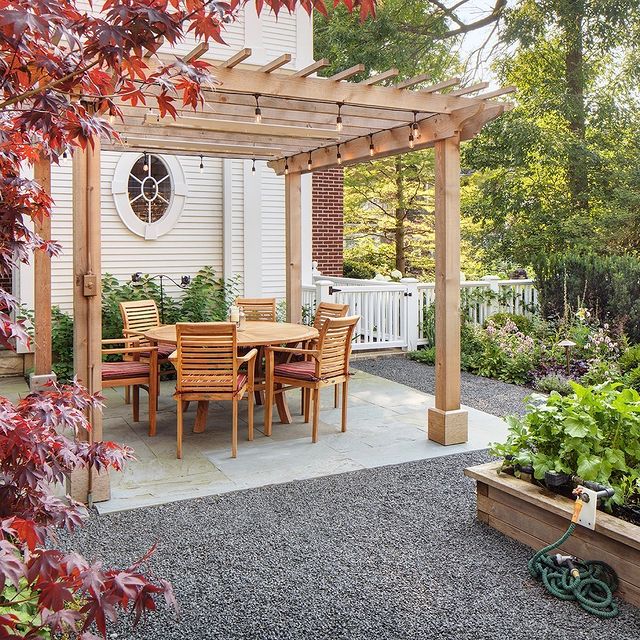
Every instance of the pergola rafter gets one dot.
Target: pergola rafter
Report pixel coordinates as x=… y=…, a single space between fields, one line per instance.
x=296 y=132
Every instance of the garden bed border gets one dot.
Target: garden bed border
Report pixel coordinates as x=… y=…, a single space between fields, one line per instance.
x=536 y=517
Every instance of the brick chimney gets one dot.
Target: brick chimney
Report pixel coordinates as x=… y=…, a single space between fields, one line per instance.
x=327 y=207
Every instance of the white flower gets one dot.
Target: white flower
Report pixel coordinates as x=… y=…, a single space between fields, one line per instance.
x=396 y=275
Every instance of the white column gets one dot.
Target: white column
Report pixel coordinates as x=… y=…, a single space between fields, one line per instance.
x=253 y=34
x=304 y=38
x=252 y=230
x=227 y=218
x=306 y=225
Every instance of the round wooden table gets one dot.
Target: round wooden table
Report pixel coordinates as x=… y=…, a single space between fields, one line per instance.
x=255 y=334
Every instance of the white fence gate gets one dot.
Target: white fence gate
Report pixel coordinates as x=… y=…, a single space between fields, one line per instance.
x=393 y=313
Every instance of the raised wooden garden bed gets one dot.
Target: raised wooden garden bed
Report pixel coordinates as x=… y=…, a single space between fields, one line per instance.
x=536 y=517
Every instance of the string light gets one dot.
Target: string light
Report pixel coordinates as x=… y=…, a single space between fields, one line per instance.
x=258 y=110
x=145 y=166
x=416 y=128
x=309 y=165
x=411 y=139
x=372 y=149
x=339 y=155
x=339 y=117
x=253 y=165
x=286 y=166
x=201 y=164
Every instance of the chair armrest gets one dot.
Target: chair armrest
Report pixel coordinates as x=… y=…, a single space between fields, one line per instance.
x=130 y=332
x=304 y=352
x=106 y=352
x=248 y=356
x=130 y=341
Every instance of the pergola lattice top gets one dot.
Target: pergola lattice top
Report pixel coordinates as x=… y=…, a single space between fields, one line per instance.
x=297 y=127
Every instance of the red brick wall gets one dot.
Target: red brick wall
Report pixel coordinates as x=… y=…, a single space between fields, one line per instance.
x=327 y=204
x=5 y=283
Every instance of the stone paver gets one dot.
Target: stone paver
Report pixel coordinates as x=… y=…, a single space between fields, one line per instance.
x=387 y=425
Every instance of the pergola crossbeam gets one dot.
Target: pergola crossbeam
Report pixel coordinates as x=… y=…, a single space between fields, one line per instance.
x=345 y=74
x=472 y=88
x=412 y=82
x=280 y=61
x=323 y=63
x=197 y=52
x=236 y=59
x=451 y=82
x=496 y=94
x=380 y=77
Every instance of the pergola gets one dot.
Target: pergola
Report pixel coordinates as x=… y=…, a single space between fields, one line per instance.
x=297 y=123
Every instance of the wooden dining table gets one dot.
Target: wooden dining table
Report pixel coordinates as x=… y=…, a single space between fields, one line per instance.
x=254 y=334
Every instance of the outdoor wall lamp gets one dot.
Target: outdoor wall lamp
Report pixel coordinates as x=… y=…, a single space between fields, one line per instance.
x=183 y=284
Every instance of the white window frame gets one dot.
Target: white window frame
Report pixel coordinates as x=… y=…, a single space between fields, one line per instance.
x=120 y=191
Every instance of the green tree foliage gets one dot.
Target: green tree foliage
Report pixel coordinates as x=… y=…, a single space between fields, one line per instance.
x=389 y=203
x=562 y=170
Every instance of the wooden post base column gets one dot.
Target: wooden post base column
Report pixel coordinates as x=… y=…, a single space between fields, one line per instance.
x=78 y=485
x=448 y=427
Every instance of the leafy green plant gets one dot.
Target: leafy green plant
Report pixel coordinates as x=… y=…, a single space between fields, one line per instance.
x=426 y=356
x=208 y=297
x=632 y=378
x=62 y=344
x=553 y=382
x=630 y=359
x=593 y=433
x=429 y=325
x=524 y=323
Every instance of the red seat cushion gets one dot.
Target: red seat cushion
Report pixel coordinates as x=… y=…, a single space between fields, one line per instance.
x=242 y=380
x=304 y=370
x=164 y=351
x=114 y=370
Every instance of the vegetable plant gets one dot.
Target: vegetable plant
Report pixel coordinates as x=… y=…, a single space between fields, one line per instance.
x=594 y=433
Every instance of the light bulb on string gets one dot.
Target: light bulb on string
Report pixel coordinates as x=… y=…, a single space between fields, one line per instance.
x=309 y=164
x=372 y=149
x=145 y=166
x=258 y=111
x=416 y=127
x=411 y=139
x=339 y=117
x=253 y=165
x=201 y=164
x=339 y=155
x=286 y=166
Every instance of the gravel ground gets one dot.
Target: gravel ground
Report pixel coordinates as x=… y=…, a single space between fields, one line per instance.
x=485 y=394
x=387 y=553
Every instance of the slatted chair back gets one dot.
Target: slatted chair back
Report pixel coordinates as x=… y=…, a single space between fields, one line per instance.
x=139 y=316
x=334 y=345
x=327 y=310
x=206 y=355
x=258 y=308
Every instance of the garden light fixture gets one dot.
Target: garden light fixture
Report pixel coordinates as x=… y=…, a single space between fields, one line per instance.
x=567 y=345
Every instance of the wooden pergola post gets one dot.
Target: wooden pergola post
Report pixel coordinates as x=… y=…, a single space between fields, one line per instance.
x=87 y=306
x=447 y=422
x=42 y=285
x=293 y=230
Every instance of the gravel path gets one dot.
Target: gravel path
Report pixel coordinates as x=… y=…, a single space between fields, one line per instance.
x=485 y=394
x=387 y=553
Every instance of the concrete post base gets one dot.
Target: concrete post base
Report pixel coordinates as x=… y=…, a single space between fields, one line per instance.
x=40 y=382
x=448 y=427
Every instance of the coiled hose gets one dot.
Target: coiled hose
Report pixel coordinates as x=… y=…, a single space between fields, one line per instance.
x=591 y=583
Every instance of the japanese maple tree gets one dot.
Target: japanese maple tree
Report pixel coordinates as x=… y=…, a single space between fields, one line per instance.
x=66 y=69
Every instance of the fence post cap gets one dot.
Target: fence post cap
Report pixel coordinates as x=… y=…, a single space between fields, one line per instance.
x=490 y=278
x=409 y=280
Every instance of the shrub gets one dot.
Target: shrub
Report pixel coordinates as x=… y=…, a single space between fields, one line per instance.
x=523 y=323
x=630 y=359
x=632 y=378
x=426 y=356
x=593 y=433
x=45 y=592
x=353 y=269
x=608 y=285
x=62 y=344
x=553 y=382
x=208 y=298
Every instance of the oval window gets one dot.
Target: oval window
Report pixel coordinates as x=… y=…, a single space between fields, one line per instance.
x=150 y=188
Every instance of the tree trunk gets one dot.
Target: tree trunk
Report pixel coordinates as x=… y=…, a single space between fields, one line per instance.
x=577 y=169
x=401 y=214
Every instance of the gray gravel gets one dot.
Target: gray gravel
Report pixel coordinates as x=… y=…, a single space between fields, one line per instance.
x=485 y=394
x=387 y=553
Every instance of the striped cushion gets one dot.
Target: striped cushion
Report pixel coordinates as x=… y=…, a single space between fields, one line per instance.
x=304 y=370
x=114 y=370
x=242 y=380
x=164 y=351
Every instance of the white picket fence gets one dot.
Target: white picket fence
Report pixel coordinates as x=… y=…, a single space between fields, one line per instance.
x=392 y=313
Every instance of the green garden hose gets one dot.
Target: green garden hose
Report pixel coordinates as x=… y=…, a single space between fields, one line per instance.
x=591 y=583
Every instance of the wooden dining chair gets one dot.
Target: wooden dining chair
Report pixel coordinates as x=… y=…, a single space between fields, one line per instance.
x=208 y=368
x=258 y=308
x=133 y=373
x=138 y=317
x=326 y=364
x=324 y=311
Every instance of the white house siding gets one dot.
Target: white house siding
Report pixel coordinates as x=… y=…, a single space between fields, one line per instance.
x=194 y=242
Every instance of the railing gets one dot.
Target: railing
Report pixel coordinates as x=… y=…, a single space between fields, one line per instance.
x=394 y=314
